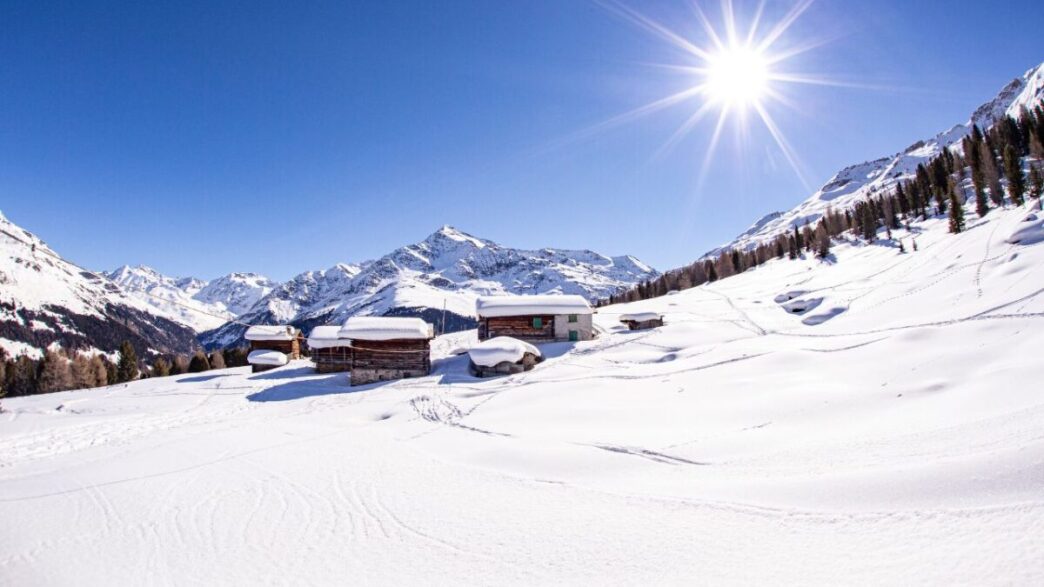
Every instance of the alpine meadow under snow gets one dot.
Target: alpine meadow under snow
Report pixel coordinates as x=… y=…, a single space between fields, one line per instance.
x=873 y=419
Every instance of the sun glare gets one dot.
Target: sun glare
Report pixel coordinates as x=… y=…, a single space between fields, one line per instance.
x=734 y=71
x=736 y=77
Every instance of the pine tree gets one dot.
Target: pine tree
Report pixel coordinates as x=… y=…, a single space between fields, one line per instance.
x=989 y=171
x=55 y=374
x=822 y=241
x=21 y=376
x=956 y=213
x=798 y=243
x=199 y=363
x=869 y=222
x=1013 y=173
x=1036 y=182
x=160 y=367
x=902 y=248
x=127 y=368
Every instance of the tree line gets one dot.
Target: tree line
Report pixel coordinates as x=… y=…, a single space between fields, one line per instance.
x=989 y=161
x=58 y=370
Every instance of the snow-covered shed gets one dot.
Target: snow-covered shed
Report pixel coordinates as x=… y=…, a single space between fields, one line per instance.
x=503 y=355
x=386 y=348
x=282 y=338
x=537 y=318
x=330 y=352
x=641 y=320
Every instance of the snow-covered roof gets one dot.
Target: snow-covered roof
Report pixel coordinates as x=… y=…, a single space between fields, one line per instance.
x=639 y=316
x=494 y=351
x=324 y=337
x=279 y=332
x=495 y=306
x=386 y=328
x=274 y=358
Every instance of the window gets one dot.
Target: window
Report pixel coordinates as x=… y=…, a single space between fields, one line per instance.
x=572 y=318
x=574 y=335
x=538 y=322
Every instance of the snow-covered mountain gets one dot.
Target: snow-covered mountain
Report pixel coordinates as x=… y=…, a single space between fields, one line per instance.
x=448 y=269
x=198 y=304
x=47 y=300
x=856 y=182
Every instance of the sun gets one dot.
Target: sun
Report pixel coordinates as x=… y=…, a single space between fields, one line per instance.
x=736 y=76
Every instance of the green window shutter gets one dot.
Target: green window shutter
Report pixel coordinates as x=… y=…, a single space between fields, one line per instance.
x=572 y=318
x=574 y=335
x=538 y=322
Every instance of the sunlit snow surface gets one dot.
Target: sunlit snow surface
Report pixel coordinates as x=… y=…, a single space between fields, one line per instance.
x=890 y=432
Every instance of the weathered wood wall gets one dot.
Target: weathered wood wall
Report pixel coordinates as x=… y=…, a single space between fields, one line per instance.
x=643 y=324
x=291 y=348
x=333 y=359
x=383 y=360
x=520 y=327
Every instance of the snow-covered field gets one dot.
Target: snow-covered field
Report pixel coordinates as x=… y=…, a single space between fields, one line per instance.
x=892 y=432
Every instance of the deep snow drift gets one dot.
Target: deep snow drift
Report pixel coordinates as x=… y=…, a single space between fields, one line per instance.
x=877 y=419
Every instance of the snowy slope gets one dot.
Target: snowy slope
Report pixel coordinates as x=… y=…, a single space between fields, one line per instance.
x=45 y=299
x=856 y=182
x=891 y=433
x=199 y=304
x=448 y=268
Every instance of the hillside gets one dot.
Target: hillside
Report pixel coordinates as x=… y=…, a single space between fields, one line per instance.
x=856 y=182
x=46 y=300
x=449 y=268
x=874 y=419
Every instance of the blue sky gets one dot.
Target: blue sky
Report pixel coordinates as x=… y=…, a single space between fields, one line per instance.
x=207 y=137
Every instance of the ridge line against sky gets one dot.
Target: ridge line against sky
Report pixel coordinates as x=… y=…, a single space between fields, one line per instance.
x=206 y=138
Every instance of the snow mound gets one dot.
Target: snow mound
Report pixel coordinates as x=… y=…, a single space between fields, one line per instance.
x=501 y=349
x=495 y=306
x=272 y=358
x=1030 y=230
x=279 y=332
x=386 y=328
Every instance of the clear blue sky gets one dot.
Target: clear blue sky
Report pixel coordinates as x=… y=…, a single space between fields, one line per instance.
x=208 y=137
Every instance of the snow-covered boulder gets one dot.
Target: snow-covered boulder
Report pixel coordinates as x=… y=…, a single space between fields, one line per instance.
x=268 y=358
x=1030 y=230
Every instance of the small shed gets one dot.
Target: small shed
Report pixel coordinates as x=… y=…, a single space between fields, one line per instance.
x=330 y=352
x=387 y=348
x=536 y=319
x=642 y=320
x=502 y=355
x=282 y=338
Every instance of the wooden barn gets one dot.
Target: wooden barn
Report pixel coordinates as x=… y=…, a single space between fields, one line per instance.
x=330 y=352
x=280 y=338
x=536 y=319
x=642 y=320
x=387 y=348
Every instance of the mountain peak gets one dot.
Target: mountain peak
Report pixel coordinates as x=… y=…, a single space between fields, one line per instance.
x=447 y=232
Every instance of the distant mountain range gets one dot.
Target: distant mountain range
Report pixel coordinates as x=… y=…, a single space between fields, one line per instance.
x=447 y=270
x=46 y=300
x=856 y=182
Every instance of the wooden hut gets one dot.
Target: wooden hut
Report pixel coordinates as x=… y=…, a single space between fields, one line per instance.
x=330 y=352
x=281 y=338
x=536 y=319
x=387 y=348
x=642 y=320
x=502 y=355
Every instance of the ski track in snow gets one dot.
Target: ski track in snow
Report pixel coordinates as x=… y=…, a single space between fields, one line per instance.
x=900 y=441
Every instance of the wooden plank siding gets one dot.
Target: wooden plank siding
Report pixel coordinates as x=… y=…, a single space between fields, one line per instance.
x=382 y=360
x=520 y=327
x=332 y=359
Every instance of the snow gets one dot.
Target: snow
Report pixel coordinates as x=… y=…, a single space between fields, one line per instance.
x=277 y=332
x=385 y=328
x=494 y=306
x=1030 y=231
x=15 y=348
x=324 y=337
x=492 y=352
x=897 y=442
x=639 y=316
x=262 y=357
